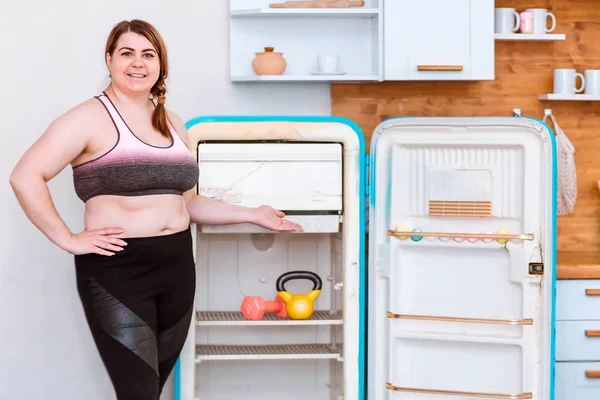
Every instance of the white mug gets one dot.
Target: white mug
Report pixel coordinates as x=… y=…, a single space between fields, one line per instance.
x=592 y=81
x=540 y=20
x=565 y=81
x=328 y=63
x=506 y=20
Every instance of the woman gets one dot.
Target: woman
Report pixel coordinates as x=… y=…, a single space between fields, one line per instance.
x=132 y=168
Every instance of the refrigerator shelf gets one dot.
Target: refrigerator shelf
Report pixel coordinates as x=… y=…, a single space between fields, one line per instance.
x=233 y=318
x=482 y=395
x=267 y=352
x=459 y=319
x=417 y=235
x=457 y=338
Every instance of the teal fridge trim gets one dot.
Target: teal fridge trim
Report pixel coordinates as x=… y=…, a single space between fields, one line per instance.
x=362 y=196
x=372 y=201
x=554 y=239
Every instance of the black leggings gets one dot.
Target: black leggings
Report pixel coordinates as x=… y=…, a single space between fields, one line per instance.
x=138 y=304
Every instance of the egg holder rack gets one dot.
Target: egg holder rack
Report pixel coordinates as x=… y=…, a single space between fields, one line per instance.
x=501 y=236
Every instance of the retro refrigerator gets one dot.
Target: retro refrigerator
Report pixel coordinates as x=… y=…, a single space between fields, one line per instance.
x=430 y=260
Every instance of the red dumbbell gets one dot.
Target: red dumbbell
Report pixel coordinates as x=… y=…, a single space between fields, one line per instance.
x=254 y=307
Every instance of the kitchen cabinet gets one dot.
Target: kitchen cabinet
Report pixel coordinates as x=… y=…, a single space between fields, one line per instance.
x=578 y=327
x=302 y=34
x=438 y=40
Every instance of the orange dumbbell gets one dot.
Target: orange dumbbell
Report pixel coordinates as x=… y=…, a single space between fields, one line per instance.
x=254 y=307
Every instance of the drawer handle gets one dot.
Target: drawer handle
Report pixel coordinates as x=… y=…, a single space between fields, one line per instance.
x=589 y=333
x=592 y=374
x=592 y=292
x=482 y=395
x=440 y=67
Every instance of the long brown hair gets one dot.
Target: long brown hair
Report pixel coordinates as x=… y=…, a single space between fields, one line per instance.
x=159 y=90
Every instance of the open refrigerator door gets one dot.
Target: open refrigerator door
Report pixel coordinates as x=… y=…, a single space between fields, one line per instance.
x=462 y=259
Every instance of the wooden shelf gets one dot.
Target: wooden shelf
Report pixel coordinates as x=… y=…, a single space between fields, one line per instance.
x=529 y=37
x=577 y=265
x=305 y=13
x=569 y=97
x=304 y=78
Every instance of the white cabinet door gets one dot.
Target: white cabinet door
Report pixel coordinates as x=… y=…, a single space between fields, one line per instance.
x=439 y=39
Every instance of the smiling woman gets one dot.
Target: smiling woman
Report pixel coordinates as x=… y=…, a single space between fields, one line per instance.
x=121 y=47
x=132 y=168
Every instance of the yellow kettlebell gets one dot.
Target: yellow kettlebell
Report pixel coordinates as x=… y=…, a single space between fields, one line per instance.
x=299 y=306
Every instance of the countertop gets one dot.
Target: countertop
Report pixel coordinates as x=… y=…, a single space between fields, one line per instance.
x=577 y=265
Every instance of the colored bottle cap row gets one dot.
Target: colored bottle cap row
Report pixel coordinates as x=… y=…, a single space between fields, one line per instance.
x=457 y=239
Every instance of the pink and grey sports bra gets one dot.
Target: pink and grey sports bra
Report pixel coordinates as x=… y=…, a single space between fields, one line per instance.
x=135 y=168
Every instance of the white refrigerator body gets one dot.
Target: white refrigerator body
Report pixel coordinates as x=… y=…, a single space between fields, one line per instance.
x=462 y=227
x=312 y=169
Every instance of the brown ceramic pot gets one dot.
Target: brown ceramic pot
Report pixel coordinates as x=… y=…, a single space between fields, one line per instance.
x=269 y=62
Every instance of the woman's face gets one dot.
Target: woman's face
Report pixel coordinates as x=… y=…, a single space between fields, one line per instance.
x=134 y=65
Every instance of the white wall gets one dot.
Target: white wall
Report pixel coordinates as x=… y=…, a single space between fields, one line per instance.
x=51 y=59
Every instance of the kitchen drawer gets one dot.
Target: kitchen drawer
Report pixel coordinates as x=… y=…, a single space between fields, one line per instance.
x=578 y=340
x=287 y=176
x=577 y=381
x=578 y=299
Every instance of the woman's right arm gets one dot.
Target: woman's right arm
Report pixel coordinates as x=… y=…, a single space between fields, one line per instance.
x=64 y=140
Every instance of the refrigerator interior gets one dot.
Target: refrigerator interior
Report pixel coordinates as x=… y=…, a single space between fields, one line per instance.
x=231 y=266
x=312 y=169
x=455 y=317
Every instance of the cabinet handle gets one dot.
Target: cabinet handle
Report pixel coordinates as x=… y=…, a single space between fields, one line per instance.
x=440 y=67
x=592 y=333
x=592 y=374
x=592 y=292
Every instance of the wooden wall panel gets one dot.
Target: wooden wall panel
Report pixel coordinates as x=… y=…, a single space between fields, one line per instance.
x=523 y=71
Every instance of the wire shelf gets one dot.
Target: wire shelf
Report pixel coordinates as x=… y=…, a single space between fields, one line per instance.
x=266 y=352
x=233 y=318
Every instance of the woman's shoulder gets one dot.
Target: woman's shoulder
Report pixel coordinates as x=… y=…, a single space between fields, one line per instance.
x=178 y=125
x=90 y=107
x=87 y=112
x=82 y=117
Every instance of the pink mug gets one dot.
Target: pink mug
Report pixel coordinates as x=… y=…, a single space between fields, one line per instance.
x=527 y=22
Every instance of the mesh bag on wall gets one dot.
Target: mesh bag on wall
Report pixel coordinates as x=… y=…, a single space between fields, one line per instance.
x=567 y=174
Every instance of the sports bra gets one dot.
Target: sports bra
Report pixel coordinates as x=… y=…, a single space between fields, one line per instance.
x=135 y=168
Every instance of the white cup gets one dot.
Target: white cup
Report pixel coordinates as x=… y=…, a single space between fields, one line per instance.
x=328 y=63
x=592 y=81
x=506 y=20
x=540 y=21
x=565 y=81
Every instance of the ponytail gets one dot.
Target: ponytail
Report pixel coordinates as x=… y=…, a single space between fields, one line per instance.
x=159 y=116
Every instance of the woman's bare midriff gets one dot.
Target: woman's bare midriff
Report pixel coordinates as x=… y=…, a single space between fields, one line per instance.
x=141 y=216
